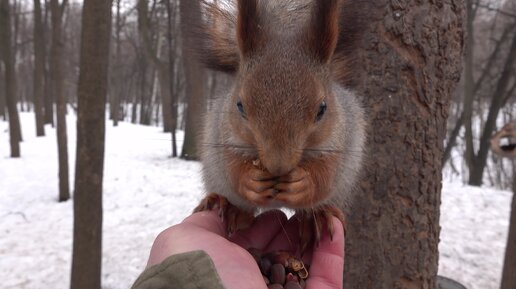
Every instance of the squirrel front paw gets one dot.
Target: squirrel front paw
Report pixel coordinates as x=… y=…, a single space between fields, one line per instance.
x=297 y=188
x=257 y=185
x=235 y=218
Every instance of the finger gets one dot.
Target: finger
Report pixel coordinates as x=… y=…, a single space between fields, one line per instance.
x=260 y=186
x=207 y=220
x=328 y=260
x=291 y=187
x=264 y=229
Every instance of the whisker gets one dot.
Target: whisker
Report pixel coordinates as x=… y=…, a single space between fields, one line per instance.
x=285 y=232
x=225 y=145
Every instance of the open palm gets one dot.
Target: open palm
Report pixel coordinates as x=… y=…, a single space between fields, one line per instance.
x=236 y=267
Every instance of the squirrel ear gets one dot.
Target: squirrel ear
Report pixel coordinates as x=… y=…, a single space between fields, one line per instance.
x=323 y=29
x=248 y=27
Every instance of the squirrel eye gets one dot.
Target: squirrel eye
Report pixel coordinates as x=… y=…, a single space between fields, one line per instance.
x=240 y=108
x=322 y=110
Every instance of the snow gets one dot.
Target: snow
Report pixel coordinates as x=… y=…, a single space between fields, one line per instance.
x=146 y=191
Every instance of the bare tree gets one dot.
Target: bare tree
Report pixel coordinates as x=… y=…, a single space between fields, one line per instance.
x=49 y=94
x=117 y=79
x=171 y=12
x=39 y=68
x=10 y=79
x=410 y=61
x=57 y=11
x=195 y=77
x=491 y=86
x=3 y=114
x=152 y=53
x=92 y=90
x=499 y=98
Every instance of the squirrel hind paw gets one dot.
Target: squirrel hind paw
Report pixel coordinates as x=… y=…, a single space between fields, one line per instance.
x=312 y=224
x=234 y=218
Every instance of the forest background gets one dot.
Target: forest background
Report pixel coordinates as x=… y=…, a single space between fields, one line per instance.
x=154 y=80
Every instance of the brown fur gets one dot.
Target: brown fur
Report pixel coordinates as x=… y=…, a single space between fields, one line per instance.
x=287 y=57
x=323 y=32
x=218 y=47
x=249 y=31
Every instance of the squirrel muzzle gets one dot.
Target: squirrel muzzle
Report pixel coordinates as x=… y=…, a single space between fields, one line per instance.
x=279 y=161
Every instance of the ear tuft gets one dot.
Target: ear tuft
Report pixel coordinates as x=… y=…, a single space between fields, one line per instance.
x=248 y=27
x=213 y=39
x=323 y=29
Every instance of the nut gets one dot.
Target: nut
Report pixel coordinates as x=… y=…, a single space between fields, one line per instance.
x=265 y=266
x=295 y=264
x=278 y=274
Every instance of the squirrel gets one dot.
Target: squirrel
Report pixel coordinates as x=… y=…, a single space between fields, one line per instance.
x=287 y=133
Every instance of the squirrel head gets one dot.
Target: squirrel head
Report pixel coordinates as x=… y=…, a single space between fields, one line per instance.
x=282 y=102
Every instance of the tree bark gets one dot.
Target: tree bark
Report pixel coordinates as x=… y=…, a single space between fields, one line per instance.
x=509 y=267
x=410 y=60
x=468 y=87
x=115 y=105
x=39 y=68
x=49 y=94
x=10 y=77
x=145 y=97
x=92 y=90
x=3 y=113
x=171 y=65
x=57 y=85
x=195 y=77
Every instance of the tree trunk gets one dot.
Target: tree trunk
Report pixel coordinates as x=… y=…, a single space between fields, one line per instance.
x=57 y=85
x=3 y=113
x=115 y=105
x=145 y=97
x=509 y=267
x=410 y=60
x=92 y=90
x=153 y=55
x=195 y=77
x=10 y=77
x=171 y=66
x=469 y=154
x=49 y=91
x=39 y=68
x=452 y=139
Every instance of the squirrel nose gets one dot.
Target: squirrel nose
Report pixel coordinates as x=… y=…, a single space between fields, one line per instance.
x=279 y=159
x=279 y=164
x=279 y=169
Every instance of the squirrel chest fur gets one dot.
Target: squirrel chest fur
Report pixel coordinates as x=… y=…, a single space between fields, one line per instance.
x=287 y=134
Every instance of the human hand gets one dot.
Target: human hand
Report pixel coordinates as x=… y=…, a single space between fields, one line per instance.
x=271 y=231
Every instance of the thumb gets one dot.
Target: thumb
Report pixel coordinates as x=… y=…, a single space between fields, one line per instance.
x=327 y=266
x=207 y=220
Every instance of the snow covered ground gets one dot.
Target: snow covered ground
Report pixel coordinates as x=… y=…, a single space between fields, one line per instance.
x=145 y=191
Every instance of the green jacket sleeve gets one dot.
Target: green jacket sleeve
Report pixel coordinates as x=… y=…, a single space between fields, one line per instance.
x=192 y=270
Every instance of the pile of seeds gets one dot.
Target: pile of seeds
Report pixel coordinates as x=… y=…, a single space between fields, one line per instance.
x=280 y=269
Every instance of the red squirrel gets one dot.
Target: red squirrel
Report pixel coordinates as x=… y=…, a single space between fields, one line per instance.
x=287 y=133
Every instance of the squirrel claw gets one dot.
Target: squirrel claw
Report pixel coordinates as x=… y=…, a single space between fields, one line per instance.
x=212 y=201
x=235 y=218
x=311 y=224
